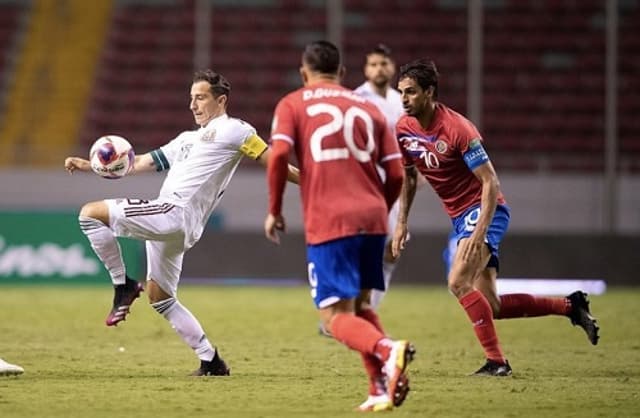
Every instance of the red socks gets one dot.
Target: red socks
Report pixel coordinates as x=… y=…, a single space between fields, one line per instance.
x=481 y=316
x=372 y=364
x=356 y=333
x=520 y=305
x=363 y=333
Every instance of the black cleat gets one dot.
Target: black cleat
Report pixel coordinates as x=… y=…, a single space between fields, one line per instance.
x=580 y=315
x=123 y=297
x=215 y=367
x=493 y=368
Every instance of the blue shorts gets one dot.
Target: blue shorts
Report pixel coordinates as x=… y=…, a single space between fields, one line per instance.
x=463 y=227
x=339 y=269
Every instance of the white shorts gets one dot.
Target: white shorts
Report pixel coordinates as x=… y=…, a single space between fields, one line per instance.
x=162 y=226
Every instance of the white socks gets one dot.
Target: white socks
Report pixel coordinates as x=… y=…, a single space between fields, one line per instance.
x=187 y=327
x=377 y=295
x=106 y=247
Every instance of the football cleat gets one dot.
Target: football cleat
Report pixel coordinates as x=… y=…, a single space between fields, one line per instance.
x=493 y=368
x=376 y=404
x=402 y=390
x=402 y=353
x=123 y=297
x=8 y=369
x=580 y=315
x=215 y=367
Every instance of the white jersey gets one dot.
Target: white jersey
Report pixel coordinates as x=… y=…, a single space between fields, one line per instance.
x=390 y=106
x=201 y=164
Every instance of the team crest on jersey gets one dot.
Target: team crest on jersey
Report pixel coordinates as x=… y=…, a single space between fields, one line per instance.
x=441 y=146
x=208 y=136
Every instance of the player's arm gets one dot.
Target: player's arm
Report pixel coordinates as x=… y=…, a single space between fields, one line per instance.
x=255 y=148
x=486 y=174
x=277 y=171
x=407 y=194
x=478 y=162
x=391 y=162
x=72 y=164
x=145 y=162
x=394 y=179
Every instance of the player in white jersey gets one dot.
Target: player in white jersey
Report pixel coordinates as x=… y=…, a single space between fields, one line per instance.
x=8 y=369
x=379 y=70
x=201 y=164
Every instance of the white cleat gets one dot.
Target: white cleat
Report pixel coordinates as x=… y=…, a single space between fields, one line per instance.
x=394 y=368
x=8 y=369
x=376 y=404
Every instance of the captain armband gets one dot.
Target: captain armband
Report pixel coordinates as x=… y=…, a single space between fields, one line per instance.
x=160 y=160
x=475 y=155
x=253 y=147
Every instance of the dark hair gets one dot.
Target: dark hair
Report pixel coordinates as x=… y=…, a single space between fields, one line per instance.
x=322 y=57
x=424 y=72
x=219 y=84
x=380 y=49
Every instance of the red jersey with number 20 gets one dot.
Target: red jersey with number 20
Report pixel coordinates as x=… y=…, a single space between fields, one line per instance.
x=338 y=138
x=437 y=153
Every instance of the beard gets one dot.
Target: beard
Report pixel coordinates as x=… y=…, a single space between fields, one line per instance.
x=380 y=81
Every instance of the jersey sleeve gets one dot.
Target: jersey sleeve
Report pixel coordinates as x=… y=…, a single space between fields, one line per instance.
x=402 y=131
x=465 y=134
x=253 y=146
x=164 y=156
x=469 y=142
x=283 y=127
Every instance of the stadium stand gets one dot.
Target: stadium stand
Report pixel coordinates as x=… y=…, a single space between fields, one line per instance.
x=11 y=26
x=141 y=86
x=10 y=17
x=543 y=74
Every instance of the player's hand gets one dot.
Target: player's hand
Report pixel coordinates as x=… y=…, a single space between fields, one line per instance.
x=72 y=164
x=471 y=250
x=273 y=224
x=400 y=238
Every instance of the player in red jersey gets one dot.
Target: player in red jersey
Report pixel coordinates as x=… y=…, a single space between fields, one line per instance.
x=339 y=138
x=446 y=148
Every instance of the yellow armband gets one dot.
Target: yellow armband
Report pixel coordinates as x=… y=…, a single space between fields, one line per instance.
x=253 y=147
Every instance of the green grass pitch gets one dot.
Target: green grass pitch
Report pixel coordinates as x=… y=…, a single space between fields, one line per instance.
x=281 y=368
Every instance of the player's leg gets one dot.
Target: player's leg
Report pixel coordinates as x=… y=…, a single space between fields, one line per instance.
x=164 y=261
x=523 y=305
x=389 y=262
x=372 y=364
x=461 y=284
x=95 y=223
x=334 y=273
x=520 y=305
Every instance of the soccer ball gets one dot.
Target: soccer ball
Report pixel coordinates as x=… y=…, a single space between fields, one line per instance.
x=111 y=157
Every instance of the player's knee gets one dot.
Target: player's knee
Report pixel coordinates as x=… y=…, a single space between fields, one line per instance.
x=155 y=293
x=363 y=301
x=459 y=286
x=96 y=210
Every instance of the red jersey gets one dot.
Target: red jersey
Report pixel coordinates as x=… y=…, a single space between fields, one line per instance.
x=437 y=153
x=339 y=139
